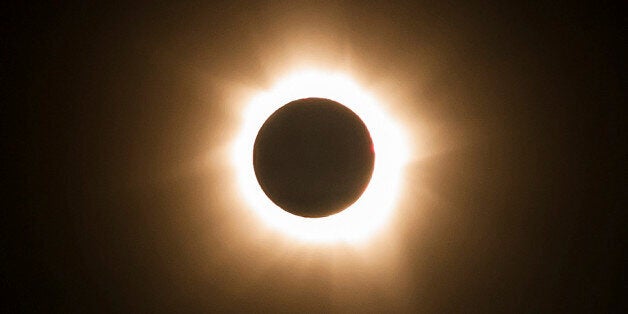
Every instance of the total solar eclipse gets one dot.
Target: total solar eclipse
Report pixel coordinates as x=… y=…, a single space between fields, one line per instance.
x=313 y=157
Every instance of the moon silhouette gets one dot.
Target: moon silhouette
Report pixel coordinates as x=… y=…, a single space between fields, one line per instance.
x=313 y=157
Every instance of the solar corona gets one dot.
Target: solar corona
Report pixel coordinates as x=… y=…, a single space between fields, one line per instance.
x=352 y=182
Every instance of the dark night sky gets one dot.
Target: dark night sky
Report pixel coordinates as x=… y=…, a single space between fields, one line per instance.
x=115 y=104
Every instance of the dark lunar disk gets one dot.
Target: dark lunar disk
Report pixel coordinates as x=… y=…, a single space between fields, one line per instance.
x=313 y=157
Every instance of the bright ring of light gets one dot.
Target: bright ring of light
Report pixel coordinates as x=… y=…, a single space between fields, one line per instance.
x=374 y=208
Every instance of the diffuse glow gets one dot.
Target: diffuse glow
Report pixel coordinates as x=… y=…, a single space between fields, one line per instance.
x=374 y=208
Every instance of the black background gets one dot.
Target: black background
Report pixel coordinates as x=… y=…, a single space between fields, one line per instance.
x=104 y=109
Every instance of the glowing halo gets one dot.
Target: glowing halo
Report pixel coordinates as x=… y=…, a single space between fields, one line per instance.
x=374 y=208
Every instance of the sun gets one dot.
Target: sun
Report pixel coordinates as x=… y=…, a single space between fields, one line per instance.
x=373 y=210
